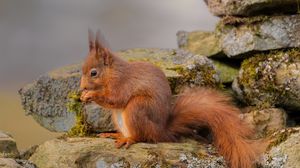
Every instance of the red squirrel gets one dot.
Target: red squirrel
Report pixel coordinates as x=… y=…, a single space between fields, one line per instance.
x=139 y=95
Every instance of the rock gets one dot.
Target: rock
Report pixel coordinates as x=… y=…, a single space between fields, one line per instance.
x=11 y=163
x=8 y=146
x=266 y=121
x=46 y=99
x=242 y=36
x=285 y=154
x=100 y=152
x=207 y=44
x=270 y=79
x=251 y=7
x=227 y=72
x=200 y=43
x=98 y=118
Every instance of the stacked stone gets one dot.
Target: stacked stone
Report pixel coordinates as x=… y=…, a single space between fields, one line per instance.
x=261 y=38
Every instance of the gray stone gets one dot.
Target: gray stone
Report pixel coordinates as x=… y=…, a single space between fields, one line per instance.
x=98 y=118
x=99 y=152
x=46 y=99
x=8 y=146
x=241 y=36
x=252 y=7
x=271 y=79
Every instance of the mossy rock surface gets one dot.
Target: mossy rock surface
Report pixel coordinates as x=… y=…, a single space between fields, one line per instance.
x=227 y=72
x=265 y=121
x=100 y=152
x=47 y=99
x=240 y=37
x=252 y=7
x=200 y=43
x=285 y=153
x=270 y=79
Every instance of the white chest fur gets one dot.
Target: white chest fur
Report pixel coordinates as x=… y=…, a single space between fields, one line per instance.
x=121 y=123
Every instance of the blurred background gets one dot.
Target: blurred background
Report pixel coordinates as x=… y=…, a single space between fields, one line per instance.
x=37 y=36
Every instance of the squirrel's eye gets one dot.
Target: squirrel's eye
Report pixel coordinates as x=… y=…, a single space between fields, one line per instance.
x=93 y=72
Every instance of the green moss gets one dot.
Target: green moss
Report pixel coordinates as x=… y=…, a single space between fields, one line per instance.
x=259 y=75
x=190 y=76
x=226 y=71
x=74 y=105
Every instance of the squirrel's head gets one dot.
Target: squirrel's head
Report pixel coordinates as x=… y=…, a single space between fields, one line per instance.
x=96 y=65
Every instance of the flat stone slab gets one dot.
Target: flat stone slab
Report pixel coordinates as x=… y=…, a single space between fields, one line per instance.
x=252 y=7
x=46 y=99
x=242 y=36
x=100 y=152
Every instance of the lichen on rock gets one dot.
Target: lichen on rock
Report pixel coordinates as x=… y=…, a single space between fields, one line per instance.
x=284 y=150
x=261 y=81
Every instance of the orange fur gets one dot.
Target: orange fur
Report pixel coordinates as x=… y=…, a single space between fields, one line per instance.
x=141 y=91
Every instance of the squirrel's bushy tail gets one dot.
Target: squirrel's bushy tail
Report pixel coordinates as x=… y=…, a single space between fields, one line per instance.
x=207 y=107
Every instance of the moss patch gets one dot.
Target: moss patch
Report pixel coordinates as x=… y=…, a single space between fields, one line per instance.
x=258 y=77
x=199 y=75
x=74 y=105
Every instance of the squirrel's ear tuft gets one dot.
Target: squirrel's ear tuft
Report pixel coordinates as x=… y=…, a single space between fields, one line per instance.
x=102 y=48
x=99 y=41
x=91 y=39
x=107 y=56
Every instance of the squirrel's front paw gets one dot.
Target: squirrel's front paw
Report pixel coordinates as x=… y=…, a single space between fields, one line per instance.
x=87 y=96
x=127 y=142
